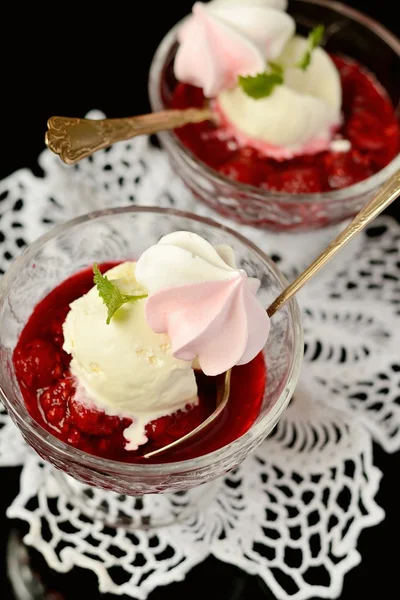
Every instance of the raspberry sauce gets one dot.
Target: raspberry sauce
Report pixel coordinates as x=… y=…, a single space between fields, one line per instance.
x=42 y=370
x=369 y=124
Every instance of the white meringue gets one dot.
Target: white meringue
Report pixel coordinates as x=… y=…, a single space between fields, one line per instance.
x=207 y=307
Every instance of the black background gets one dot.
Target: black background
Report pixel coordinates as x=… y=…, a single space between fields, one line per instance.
x=67 y=60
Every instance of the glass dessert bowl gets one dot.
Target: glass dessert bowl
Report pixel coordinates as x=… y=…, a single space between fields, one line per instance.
x=303 y=191
x=36 y=295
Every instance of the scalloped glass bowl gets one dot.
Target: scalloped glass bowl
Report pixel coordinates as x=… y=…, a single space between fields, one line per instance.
x=348 y=32
x=121 y=234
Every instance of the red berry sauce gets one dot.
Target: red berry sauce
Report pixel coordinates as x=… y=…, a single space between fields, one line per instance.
x=42 y=370
x=369 y=123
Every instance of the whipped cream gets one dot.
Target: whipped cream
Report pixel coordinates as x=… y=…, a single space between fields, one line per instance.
x=227 y=38
x=124 y=368
x=299 y=117
x=206 y=305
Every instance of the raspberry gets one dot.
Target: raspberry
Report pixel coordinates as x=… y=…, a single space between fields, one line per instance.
x=359 y=158
x=344 y=169
x=296 y=180
x=74 y=437
x=237 y=170
x=245 y=170
x=55 y=415
x=365 y=131
x=112 y=446
x=57 y=334
x=104 y=445
x=216 y=148
x=157 y=429
x=247 y=153
x=54 y=329
x=187 y=95
x=165 y=430
x=185 y=421
x=348 y=70
x=54 y=401
x=38 y=364
x=92 y=421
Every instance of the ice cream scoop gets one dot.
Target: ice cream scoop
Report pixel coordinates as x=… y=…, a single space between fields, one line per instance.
x=124 y=368
x=299 y=117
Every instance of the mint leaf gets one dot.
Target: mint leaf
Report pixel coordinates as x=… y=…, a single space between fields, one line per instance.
x=314 y=39
x=112 y=297
x=261 y=85
x=275 y=67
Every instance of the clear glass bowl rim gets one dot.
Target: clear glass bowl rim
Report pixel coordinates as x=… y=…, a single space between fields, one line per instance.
x=52 y=443
x=338 y=196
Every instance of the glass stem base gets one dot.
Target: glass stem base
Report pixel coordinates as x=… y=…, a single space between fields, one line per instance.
x=135 y=512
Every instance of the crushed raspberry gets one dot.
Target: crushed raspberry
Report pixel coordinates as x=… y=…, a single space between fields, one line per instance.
x=158 y=429
x=38 y=364
x=54 y=401
x=296 y=181
x=76 y=422
x=216 y=150
x=167 y=429
x=244 y=170
x=56 y=330
x=366 y=131
x=104 y=445
x=370 y=124
x=74 y=437
x=93 y=421
x=345 y=168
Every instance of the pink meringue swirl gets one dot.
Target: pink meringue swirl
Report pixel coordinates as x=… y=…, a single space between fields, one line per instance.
x=218 y=321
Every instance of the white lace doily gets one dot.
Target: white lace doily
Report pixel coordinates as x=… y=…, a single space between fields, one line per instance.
x=292 y=513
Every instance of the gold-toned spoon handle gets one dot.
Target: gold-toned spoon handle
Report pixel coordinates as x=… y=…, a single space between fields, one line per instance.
x=73 y=139
x=385 y=196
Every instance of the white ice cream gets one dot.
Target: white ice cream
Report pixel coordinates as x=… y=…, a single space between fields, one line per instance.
x=299 y=117
x=125 y=368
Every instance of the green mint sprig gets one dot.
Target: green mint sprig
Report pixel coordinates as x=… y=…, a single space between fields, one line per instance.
x=112 y=297
x=276 y=67
x=314 y=39
x=261 y=85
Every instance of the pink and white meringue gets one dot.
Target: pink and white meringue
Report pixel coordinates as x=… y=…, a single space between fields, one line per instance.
x=226 y=38
x=204 y=303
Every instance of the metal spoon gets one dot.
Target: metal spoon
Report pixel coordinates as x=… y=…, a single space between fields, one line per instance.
x=385 y=196
x=73 y=138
